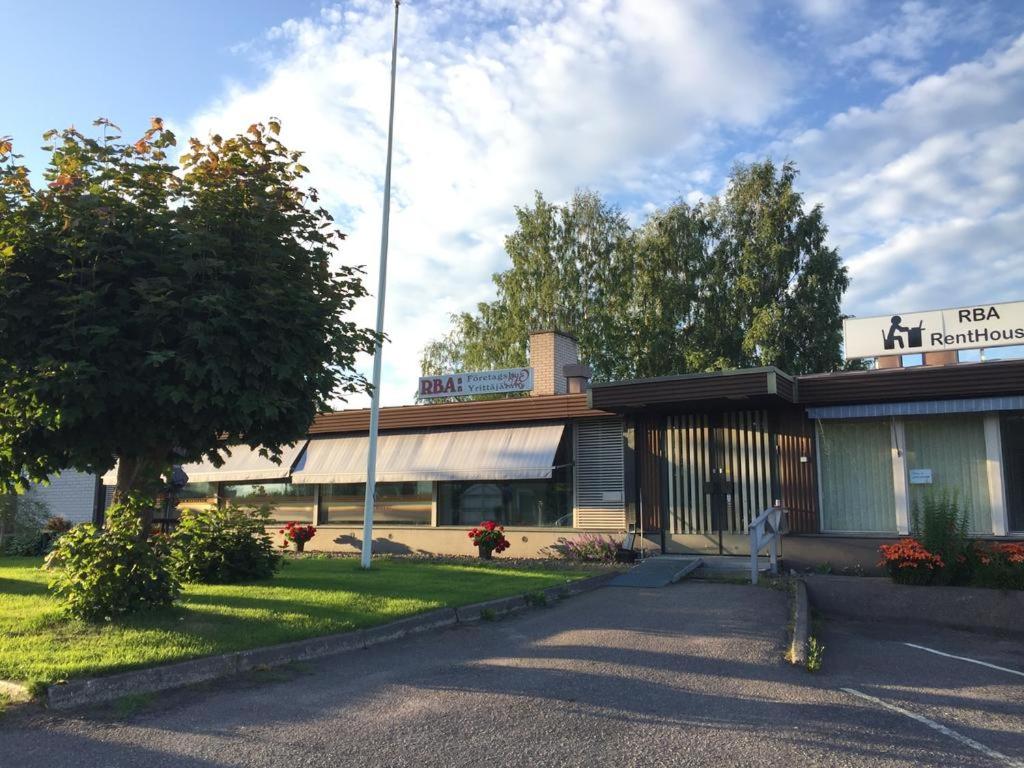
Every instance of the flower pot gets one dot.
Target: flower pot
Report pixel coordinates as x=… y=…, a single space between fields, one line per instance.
x=485 y=552
x=300 y=546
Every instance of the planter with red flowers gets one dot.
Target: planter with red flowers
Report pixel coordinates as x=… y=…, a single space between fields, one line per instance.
x=298 y=534
x=489 y=538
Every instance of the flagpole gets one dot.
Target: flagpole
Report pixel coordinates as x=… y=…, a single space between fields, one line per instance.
x=371 y=456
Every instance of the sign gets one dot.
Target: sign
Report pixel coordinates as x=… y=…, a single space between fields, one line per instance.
x=476 y=383
x=943 y=330
x=920 y=477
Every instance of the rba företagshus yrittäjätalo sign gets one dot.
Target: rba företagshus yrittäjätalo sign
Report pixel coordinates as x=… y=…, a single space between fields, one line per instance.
x=974 y=327
x=476 y=383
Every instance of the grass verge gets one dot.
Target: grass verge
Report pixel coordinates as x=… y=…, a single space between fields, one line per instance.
x=307 y=598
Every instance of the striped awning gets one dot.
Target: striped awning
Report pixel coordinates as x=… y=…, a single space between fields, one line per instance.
x=506 y=453
x=245 y=464
x=918 y=408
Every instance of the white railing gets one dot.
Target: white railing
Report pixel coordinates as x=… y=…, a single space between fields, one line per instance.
x=765 y=531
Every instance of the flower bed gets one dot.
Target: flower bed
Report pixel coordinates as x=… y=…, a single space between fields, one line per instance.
x=981 y=564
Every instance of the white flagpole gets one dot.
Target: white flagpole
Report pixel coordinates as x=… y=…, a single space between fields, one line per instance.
x=371 y=458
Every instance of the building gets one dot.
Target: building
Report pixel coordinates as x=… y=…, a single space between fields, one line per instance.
x=686 y=461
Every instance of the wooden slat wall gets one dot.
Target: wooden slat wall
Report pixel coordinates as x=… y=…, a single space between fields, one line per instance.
x=649 y=474
x=798 y=481
x=748 y=464
x=689 y=463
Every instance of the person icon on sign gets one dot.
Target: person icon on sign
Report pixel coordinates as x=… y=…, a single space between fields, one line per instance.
x=896 y=330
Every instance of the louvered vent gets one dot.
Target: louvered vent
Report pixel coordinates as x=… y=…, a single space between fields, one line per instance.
x=599 y=481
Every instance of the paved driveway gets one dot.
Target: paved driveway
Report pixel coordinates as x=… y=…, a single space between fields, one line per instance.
x=686 y=675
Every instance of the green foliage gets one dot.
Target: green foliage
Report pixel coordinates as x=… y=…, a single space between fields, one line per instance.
x=941 y=526
x=100 y=574
x=223 y=546
x=146 y=308
x=536 y=599
x=22 y=520
x=741 y=280
x=815 y=654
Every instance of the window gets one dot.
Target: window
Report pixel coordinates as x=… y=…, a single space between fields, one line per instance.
x=404 y=503
x=855 y=465
x=287 y=502
x=198 y=496
x=953 y=448
x=526 y=503
x=542 y=503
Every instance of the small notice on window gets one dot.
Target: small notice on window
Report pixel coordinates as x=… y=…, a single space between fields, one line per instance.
x=920 y=477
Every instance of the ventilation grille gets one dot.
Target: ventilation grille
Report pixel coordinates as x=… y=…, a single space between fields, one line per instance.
x=599 y=483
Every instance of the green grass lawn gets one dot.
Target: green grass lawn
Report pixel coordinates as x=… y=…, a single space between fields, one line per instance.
x=308 y=597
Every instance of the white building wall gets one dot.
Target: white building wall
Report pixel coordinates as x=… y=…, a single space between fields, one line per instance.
x=69 y=495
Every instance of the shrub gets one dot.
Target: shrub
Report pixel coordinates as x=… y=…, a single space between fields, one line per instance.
x=908 y=562
x=21 y=526
x=105 y=573
x=941 y=526
x=1000 y=566
x=589 y=548
x=220 y=546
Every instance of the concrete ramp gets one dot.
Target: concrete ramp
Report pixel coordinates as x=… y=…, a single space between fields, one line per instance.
x=657 y=572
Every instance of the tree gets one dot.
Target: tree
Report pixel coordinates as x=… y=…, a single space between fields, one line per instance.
x=744 y=279
x=156 y=315
x=769 y=285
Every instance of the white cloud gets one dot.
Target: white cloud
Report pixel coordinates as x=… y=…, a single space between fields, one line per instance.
x=925 y=194
x=495 y=99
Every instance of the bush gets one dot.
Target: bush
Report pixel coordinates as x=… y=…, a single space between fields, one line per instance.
x=104 y=573
x=999 y=566
x=221 y=546
x=21 y=526
x=908 y=562
x=588 y=548
x=941 y=526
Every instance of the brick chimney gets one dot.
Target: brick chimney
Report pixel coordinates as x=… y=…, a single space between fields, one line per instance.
x=550 y=353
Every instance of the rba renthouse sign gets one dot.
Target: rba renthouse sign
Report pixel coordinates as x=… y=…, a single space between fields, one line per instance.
x=476 y=383
x=941 y=330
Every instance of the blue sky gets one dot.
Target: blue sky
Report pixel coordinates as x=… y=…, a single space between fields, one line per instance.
x=906 y=120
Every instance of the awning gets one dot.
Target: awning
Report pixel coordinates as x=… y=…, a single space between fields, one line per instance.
x=243 y=465
x=920 y=408
x=505 y=453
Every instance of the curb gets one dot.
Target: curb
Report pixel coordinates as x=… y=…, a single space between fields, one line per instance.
x=16 y=692
x=798 y=643
x=98 y=690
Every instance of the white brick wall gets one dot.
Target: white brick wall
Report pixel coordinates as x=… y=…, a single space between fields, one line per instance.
x=69 y=495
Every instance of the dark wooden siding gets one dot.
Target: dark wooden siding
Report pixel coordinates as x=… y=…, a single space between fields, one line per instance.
x=1005 y=377
x=685 y=389
x=540 y=408
x=649 y=472
x=797 y=480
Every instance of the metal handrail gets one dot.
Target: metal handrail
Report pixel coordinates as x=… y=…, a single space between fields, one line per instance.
x=765 y=531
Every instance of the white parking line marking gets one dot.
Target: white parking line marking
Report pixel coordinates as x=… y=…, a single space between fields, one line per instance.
x=1006 y=760
x=966 y=740
x=964 y=658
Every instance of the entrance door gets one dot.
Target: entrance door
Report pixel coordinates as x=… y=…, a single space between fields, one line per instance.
x=718 y=473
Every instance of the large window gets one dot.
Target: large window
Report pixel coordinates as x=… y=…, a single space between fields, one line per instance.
x=287 y=502
x=406 y=503
x=855 y=461
x=953 y=448
x=543 y=503
x=198 y=496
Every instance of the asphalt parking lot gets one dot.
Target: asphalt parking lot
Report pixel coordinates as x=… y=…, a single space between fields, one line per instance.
x=686 y=675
